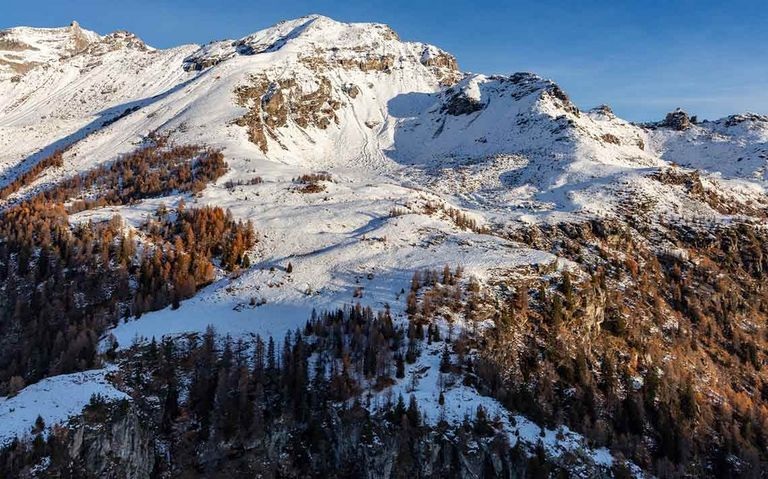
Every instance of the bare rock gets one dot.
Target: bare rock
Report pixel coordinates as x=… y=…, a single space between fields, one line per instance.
x=677 y=120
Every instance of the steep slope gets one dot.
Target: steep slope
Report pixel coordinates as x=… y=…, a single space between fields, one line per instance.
x=75 y=83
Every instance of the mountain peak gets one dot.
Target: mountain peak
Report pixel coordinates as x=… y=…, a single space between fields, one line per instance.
x=325 y=42
x=24 y=48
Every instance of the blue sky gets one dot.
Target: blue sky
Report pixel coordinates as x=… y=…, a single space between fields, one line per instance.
x=643 y=58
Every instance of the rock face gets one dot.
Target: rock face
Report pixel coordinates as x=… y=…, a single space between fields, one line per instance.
x=603 y=110
x=120 y=447
x=309 y=68
x=23 y=48
x=460 y=103
x=733 y=120
x=677 y=120
x=272 y=104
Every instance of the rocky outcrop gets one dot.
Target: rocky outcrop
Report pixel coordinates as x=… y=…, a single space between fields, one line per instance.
x=460 y=103
x=561 y=99
x=23 y=49
x=116 y=41
x=351 y=89
x=80 y=41
x=603 y=111
x=677 y=120
x=368 y=62
x=442 y=64
x=119 y=447
x=273 y=104
x=354 y=444
x=734 y=120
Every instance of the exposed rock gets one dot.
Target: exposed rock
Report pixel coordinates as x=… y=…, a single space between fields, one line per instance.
x=197 y=64
x=442 y=64
x=24 y=48
x=677 y=120
x=272 y=105
x=80 y=40
x=19 y=67
x=603 y=111
x=118 y=40
x=351 y=90
x=358 y=446
x=369 y=62
x=439 y=59
x=459 y=103
x=734 y=120
x=8 y=43
x=121 y=447
x=561 y=99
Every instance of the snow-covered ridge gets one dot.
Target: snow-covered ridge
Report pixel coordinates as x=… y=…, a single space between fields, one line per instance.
x=735 y=146
x=394 y=102
x=322 y=41
x=24 y=48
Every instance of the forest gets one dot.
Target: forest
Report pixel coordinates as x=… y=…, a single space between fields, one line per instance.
x=656 y=352
x=572 y=348
x=64 y=283
x=211 y=406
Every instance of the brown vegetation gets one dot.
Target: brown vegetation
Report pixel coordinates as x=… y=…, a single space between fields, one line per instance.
x=64 y=285
x=55 y=160
x=312 y=182
x=658 y=354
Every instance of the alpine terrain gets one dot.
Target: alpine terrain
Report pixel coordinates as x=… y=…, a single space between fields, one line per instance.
x=323 y=251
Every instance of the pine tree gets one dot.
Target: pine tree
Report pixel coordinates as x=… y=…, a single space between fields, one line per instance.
x=445 y=360
x=414 y=416
x=399 y=410
x=399 y=366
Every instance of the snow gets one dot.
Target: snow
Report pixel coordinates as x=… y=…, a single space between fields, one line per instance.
x=29 y=47
x=55 y=399
x=365 y=251
x=736 y=147
x=423 y=380
x=525 y=156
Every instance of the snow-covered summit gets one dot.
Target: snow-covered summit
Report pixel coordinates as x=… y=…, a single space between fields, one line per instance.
x=323 y=42
x=322 y=93
x=24 y=48
x=318 y=93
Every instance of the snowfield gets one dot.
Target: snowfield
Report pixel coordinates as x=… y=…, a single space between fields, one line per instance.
x=54 y=399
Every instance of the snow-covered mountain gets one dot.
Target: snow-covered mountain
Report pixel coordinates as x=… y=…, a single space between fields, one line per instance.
x=397 y=126
x=316 y=93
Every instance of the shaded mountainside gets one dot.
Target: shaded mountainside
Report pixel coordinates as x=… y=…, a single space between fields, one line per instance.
x=409 y=270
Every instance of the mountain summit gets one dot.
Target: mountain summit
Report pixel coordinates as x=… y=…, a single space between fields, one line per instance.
x=24 y=48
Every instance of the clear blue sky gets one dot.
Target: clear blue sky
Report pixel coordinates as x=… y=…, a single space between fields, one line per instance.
x=643 y=58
